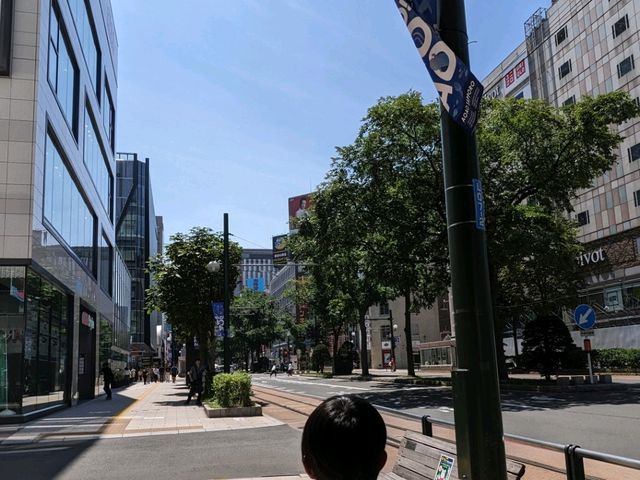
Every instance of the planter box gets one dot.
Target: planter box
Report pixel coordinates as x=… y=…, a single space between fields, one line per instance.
x=255 y=411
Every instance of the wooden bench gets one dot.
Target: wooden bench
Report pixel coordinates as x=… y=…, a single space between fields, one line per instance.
x=420 y=455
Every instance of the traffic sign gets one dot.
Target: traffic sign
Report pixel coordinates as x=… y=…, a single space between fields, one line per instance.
x=585 y=317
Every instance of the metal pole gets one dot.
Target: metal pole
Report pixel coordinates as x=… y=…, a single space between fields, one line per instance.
x=225 y=260
x=590 y=368
x=393 y=341
x=478 y=418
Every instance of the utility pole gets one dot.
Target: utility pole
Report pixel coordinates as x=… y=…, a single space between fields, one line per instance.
x=478 y=418
x=225 y=262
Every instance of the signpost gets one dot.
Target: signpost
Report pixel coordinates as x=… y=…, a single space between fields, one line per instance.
x=585 y=317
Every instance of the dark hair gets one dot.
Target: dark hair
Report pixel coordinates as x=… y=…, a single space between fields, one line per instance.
x=344 y=439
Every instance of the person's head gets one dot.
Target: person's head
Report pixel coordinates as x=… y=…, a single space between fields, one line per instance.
x=303 y=203
x=344 y=439
x=197 y=362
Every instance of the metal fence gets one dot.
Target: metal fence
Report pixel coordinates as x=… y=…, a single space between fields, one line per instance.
x=573 y=454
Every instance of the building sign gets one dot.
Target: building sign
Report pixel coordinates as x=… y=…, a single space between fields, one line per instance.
x=460 y=91
x=6 y=22
x=591 y=258
x=280 y=253
x=494 y=93
x=513 y=77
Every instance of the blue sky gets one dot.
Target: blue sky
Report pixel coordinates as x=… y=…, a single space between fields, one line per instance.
x=239 y=105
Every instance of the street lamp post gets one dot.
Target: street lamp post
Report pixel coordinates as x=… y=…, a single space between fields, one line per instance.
x=392 y=329
x=214 y=266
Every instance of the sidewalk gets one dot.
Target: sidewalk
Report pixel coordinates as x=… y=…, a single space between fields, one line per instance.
x=136 y=410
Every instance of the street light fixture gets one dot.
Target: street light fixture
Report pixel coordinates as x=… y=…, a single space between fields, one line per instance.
x=213 y=266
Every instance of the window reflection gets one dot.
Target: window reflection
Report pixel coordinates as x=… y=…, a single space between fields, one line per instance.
x=86 y=33
x=63 y=202
x=96 y=163
x=62 y=70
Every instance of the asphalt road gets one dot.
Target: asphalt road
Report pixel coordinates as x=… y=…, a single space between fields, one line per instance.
x=606 y=421
x=195 y=456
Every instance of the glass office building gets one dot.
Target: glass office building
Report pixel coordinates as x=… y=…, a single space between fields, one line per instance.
x=59 y=285
x=137 y=237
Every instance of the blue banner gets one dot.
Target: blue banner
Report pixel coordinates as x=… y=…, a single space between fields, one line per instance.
x=218 y=315
x=460 y=91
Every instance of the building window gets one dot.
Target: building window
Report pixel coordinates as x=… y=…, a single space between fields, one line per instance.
x=634 y=152
x=561 y=36
x=569 y=101
x=384 y=309
x=564 y=69
x=106 y=264
x=636 y=198
x=65 y=209
x=62 y=70
x=108 y=115
x=385 y=332
x=520 y=96
x=88 y=40
x=620 y=26
x=625 y=66
x=96 y=162
x=583 y=218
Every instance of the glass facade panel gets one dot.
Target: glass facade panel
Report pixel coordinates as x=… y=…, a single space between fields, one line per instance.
x=96 y=163
x=62 y=69
x=12 y=335
x=63 y=202
x=436 y=356
x=108 y=115
x=46 y=344
x=87 y=36
x=106 y=264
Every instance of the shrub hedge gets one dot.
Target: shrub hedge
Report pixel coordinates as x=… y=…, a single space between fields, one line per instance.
x=232 y=389
x=625 y=359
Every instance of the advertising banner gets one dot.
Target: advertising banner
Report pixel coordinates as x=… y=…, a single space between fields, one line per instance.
x=460 y=91
x=298 y=209
x=280 y=252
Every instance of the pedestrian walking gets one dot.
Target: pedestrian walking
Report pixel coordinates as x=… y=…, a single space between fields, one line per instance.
x=108 y=379
x=274 y=371
x=145 y=374
x=174 y=373
x=195 y=373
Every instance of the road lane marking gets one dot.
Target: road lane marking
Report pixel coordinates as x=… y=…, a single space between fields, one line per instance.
x=33 y=450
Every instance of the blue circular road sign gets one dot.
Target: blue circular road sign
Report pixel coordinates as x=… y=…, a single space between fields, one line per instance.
x=585 y=317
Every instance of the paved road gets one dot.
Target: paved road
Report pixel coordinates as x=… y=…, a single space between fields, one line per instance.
x=267 y=451
x=603 y=421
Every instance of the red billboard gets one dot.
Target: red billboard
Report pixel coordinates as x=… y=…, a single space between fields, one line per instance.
x=298 y=209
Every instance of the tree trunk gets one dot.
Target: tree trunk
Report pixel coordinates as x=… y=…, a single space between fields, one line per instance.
x=364 y=359
x=336 y=334
x=407 y=332
x=503 y=374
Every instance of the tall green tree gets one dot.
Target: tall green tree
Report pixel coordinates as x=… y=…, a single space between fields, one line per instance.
x=183 y=287
x=535 y=158
x=257 y=320
x=396 y=163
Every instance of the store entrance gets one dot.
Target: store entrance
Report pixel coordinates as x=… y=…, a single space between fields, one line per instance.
x=87 y=355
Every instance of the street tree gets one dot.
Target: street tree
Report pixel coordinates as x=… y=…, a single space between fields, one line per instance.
x=535 y=158
x=257 y=320
x=547 y=342
x=183 y=288
x=396 y=162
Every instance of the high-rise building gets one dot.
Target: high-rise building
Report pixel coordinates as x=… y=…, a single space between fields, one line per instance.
x=256 y=269
x=137 y=237
x=58 y=81
x=573 y=49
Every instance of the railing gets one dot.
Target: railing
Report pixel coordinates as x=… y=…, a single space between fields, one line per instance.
x=574 y=455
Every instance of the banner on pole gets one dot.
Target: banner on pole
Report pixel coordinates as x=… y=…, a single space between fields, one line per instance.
x=218 y=315
x=459 y=90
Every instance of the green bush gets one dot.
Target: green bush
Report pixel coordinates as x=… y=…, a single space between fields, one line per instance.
x=232 y=389
x=625 y=359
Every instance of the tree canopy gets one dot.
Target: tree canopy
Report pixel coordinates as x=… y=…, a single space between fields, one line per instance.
x=183 y=288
